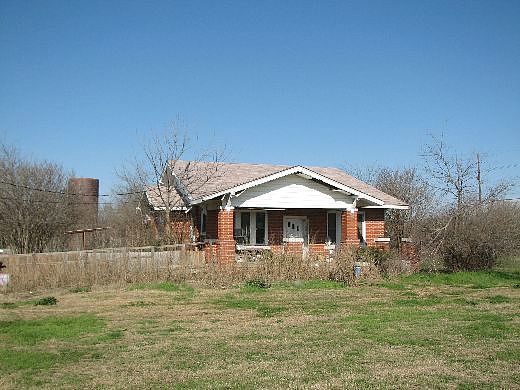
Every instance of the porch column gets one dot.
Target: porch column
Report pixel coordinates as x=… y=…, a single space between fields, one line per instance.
x=226 y=242
x=349 y=234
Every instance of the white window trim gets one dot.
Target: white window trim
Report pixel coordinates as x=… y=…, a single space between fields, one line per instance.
x=252 y=225
x=363 y=226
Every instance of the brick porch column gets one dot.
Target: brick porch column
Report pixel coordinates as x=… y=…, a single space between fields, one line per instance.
x=349 y=234
x=226 y=242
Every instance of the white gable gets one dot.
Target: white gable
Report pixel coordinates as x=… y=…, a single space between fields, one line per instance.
x=292 y=191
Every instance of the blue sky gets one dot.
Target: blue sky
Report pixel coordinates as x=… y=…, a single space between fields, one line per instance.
x=313 y=83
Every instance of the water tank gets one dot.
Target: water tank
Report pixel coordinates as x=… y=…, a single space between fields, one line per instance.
x=84 y=194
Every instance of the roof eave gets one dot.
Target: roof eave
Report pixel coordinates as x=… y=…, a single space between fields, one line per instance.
x=289 y=171
x=389 y=206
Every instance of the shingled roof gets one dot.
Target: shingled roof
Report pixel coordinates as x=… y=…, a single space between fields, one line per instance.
x=205 y=179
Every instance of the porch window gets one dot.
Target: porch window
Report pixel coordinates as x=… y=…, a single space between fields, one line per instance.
x=260 y=228
x=245 y=227
x=331 y=227
x=203 y=222
x=251 y=228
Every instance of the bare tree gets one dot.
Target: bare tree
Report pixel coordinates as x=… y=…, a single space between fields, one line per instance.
x=466 y=231
x=461 y=177
x=163 y=172
x=35 y=209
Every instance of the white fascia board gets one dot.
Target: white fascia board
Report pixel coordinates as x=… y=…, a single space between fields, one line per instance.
x=387 y=206
x=177 y=208
x=290 y=171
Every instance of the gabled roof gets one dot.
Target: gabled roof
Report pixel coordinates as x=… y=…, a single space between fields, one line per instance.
x=207 y=180
x=158 y=198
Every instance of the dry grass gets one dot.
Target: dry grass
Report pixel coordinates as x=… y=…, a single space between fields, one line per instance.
x=403 y=334
x=121 y=266
x=98 y=267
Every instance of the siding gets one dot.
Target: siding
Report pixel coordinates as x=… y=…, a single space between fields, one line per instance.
x=292 y=192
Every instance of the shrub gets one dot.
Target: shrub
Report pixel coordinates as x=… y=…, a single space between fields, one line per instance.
x=342 y=269
x=46 y=301
x=257 y=284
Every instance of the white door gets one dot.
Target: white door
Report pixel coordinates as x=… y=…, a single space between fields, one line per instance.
x=295 y=228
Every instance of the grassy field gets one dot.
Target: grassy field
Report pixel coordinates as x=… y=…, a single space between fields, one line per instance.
x=430 y=331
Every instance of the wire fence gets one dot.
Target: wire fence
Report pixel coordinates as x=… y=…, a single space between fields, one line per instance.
x=97 y=267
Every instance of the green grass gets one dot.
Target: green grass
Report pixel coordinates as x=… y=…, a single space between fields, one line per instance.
x=44 y=301
x=164 y=286
x=30 y=332
x=475 y=279
x=310 y=285
x=34 y=348
x=231 y=301
x=421 y=331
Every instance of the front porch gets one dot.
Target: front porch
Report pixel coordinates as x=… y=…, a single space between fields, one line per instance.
x=229 y=232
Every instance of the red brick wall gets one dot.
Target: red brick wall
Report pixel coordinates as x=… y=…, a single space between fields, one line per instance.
x=275 y=227
x=180 y=224
x=375 y=225
x=317 y=223
x=293 y=248
x=317 y=226
x=226 y=242
x=349 y=228
x=318 y=249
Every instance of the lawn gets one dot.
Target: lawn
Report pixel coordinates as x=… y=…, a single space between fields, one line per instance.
x=459 y=330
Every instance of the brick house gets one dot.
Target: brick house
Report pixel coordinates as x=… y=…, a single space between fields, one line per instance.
x=233 y=208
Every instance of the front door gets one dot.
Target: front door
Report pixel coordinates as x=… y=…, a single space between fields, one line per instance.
x=295 y=228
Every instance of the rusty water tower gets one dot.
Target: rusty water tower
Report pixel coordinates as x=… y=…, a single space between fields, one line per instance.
x=84 y=192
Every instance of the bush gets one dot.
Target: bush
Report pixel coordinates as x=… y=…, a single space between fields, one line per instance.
x=471 y=237
x=46 y=301
x=257 y=284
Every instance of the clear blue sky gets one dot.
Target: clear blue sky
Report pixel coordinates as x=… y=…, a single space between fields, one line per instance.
x=315 y=83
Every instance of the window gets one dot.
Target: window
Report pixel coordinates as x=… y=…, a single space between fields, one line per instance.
x=243 y=233
x=331 y=227
x=203 y=222
x=260 y=228
x=251 y=227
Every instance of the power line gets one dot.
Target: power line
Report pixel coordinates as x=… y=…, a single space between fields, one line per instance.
x=66 y=193
x=62 y=201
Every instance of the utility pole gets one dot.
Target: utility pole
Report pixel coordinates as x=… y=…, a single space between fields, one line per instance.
x=479 y=181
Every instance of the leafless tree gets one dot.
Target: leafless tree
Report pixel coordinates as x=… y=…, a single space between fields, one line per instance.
x=461 y=177
x=35 y=210
x=166 y=175
x=466 y=231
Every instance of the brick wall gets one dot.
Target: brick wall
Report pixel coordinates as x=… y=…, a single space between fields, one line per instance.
x=293 y=248
x=349 y=233
x=226 y=242
x=180 y=224
x=275 y=227
x=375 y=225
